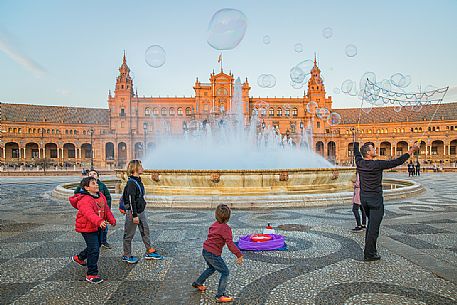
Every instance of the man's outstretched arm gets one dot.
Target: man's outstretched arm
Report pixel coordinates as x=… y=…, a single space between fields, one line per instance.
x=387 y=164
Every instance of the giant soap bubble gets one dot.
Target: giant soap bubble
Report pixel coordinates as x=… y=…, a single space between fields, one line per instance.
x=226 y=29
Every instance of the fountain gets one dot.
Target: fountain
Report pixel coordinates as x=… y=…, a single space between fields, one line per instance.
x=230 y=159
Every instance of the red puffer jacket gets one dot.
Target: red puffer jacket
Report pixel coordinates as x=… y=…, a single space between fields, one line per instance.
x=91 y=212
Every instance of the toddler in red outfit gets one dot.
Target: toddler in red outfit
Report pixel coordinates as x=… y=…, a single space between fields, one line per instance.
x=219 y=234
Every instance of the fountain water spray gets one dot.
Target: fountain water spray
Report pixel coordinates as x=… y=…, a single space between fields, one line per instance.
x=231 y=141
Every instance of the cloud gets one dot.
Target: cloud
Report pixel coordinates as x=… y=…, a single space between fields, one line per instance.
x=7 y=47
x=63 y=92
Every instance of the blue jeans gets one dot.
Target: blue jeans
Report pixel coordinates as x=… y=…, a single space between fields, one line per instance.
x=92 y=251
x=104 y=234
x=214 y=262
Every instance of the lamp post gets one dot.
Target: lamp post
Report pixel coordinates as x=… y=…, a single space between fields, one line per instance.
x=145 y=129
x=91 y=149
x=353 y=148
x=44 y=151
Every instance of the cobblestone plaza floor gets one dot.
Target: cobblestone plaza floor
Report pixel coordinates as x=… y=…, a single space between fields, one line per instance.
x=324 y=263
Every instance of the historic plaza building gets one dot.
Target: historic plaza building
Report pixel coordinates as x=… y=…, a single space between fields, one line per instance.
x=65 y=136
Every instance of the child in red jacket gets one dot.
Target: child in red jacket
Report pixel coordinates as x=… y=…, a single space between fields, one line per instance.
x=219 y=234
x=91 y=219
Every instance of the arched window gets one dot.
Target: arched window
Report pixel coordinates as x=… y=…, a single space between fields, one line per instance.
x=147 y=111
x=279 y=111
x=163 y=112
x=263 y=112
x=188 y=111
x=155 y=111
x=180 y=111
x=287 y=112
x=271 y=112
x=172 y=111
x=295 y=112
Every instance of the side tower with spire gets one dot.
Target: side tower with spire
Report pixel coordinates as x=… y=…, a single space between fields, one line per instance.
x=122 y=110
x=316 y=88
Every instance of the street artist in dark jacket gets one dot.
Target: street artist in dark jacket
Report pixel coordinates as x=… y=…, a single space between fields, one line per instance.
x=370 y=173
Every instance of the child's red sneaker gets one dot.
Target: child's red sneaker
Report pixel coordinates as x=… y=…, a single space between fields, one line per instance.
x=94 y=279
x=201 y=288
x=79 y=261
x=224 y=299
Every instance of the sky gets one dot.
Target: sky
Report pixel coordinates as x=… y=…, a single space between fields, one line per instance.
x=68 y=52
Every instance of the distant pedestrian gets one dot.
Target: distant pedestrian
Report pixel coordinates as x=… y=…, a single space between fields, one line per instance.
x=410 y=169
x=418 y=168
x=219 y=234
x=356 y=206
x=92 y=217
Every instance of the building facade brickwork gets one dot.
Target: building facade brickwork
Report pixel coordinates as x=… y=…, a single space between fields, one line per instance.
x=33 y=135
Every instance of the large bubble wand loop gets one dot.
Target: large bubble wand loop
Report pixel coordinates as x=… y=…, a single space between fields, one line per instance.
x=436 y=95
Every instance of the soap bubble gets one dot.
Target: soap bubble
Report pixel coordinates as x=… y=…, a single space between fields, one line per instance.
x=327 y=32
x=351 y=50
x=155 y=56
x=400 y=80
x=397 y=108
x=226 y=29
x=261 y=104
x=266 y=39
x=266 y=81
x=311 y=107
x=363 y=80
x=334 y=119
x=300 y=71
x=322 y=113
x=296 y=85
x=298 y=47
x=347 y=86
x=336 y=90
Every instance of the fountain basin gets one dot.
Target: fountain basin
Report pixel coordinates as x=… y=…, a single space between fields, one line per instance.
x=247 y=189
x=244 y=183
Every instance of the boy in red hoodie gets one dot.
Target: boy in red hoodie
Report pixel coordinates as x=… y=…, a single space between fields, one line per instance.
x=91 y=219
x=219 y=234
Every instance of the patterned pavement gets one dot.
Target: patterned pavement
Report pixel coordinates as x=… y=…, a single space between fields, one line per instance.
x=324 y=263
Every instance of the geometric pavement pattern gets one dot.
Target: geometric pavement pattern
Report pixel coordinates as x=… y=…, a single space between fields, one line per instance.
x=323 y=264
